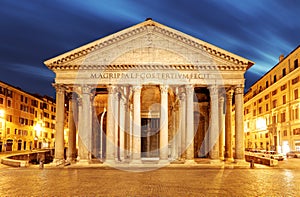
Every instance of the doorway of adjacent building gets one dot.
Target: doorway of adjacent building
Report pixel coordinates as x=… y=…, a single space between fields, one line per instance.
x=150 y=137
x=9 y=145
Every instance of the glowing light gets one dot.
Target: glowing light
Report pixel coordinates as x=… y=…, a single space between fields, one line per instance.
x=2 y=113
x=261 y=124
x=38 y=129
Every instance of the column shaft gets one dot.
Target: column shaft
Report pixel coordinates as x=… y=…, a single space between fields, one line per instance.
x=116 y=123
x=59 y=125
x=85 y=132
x=122 y=128
x=239 y=129
x=164 y=123
x=183 y=126
x=190 y=122
x=214 y=123
x=72 y=130
x=221 y=128
x=136 y=123
x=110 y=150
x=228 y=127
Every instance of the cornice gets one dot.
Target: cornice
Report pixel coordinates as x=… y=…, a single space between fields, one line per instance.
x=148 y=26
x=149 y=67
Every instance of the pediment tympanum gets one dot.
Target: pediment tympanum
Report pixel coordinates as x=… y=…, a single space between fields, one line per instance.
x=147 y=37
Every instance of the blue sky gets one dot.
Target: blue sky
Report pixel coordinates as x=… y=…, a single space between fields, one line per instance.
x=33 y=31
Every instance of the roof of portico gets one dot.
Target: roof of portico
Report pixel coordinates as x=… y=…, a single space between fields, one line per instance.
x=64 y=61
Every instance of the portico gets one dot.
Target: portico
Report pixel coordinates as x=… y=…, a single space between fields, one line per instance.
x=149 y=93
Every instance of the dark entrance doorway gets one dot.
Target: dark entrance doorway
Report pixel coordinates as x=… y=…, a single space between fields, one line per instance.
x=9 y=144
x=150 y=137
x=19 y=144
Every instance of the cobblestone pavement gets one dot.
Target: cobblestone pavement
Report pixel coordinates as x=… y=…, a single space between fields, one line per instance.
x=162 y=182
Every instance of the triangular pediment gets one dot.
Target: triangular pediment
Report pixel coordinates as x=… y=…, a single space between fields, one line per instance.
x=148 y=43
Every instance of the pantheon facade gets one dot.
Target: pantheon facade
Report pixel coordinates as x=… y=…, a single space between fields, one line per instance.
x=149 y=93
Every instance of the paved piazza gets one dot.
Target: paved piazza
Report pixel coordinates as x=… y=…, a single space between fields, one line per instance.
x=162 y=182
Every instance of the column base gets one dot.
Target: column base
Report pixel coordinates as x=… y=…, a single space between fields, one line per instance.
x=163 y=162
x=57 y=162
x=229 y=160
x=136 y=161
x=83 y=162
x=241 y=162
x=190 y=162
x=110 y=162
x=222 y=158
x=215 y=161
x=71 y=160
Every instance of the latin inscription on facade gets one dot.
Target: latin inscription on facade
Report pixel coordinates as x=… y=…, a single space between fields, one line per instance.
x=133 y=75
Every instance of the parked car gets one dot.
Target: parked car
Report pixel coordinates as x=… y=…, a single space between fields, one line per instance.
x=293 y=154
x=273 y=155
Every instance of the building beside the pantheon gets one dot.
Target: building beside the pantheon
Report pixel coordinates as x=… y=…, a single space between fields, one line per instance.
x=27 y=121
x=149 y=93
x=271 y=106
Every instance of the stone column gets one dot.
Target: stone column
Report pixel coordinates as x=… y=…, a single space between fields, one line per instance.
x=116 y=122
x=72 y=129
x=122 y=127
x=110 y=145
x=221 y=128
x=239 y=129
x=174 y=136
x=190 y=122
x=183 y=125
x=214 y=123
x=164 y=123
x=228 y=127
x=178 y=128
x=85 y=129
x=59 y=125
x=136 y=124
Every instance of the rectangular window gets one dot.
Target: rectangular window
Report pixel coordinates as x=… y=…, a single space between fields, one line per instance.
x=295 y=80
x=254 y=112
x=274 y=92
x=283 y=72
x=266 y=97
x=267 y=107
x=8 y=131
x=274 y=119
x=267 y=84
x=274 y=104
x=295 y=63
x=296 y=96
x=283 y=117
x=260 y=100
x=296 y=131
x=285 y=133
x=274 y=79
x=284 y=99
x=1 y=101
x=8 y=103
x=260 y=110
x=283 y=87
x=266 y=135
x=296 y=113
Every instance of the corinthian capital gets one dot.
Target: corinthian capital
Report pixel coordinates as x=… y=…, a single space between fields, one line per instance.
x=213 y=90
x=239 y=89
x=164 y=89
x=60 y=88
x=189 y=89
x=136 y=89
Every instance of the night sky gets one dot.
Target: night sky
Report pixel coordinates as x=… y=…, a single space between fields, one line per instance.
x=32 y=31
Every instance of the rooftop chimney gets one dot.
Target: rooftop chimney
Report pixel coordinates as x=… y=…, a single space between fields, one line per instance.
x=281 y=57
